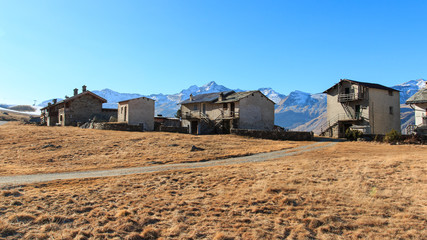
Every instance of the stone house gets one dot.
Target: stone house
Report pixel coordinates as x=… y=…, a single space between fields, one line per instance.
x=222 y=111
x=367 y=107
x=418 y=102
x=137 y=111
x=72 y=111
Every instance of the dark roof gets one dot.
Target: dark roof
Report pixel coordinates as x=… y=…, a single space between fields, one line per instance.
x=365 y=84
x=207 y=97
x=74 y=97
x=239 y=95
x=228 y=96
x=418 y=97
x=135 y=99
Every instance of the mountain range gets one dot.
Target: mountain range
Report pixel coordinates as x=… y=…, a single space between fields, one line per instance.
x=297 y=111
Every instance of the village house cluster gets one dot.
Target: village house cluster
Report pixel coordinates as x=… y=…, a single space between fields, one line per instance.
x=367 y=107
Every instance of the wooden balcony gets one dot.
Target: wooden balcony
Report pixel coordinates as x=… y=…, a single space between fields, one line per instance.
x=348 y=97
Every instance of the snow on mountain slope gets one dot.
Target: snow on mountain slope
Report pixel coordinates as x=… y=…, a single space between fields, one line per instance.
x=273 y=95
x=409 y=88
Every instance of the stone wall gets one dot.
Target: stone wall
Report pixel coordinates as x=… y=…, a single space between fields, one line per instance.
x=274 y=135
x=111 y=126
x=173 y=129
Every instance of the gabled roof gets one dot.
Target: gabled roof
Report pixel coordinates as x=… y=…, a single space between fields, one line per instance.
x=228 y=96
x=234 y=97
x=74 y=97
x=135 y=99
x=365 y=84
x=418 y=97
x=207 y=97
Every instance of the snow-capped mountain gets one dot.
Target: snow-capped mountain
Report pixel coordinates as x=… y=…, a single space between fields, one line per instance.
x=299 y=110
x=409 y=88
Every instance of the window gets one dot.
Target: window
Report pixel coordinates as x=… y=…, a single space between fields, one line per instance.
x=390 y=92
x=390 y=110
x=121 y=110
x=195 y=107
x=225 y=106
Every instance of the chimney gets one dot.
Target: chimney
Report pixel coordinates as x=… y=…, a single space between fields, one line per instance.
x=66 y=96
x=84 y=88
x=76 y=91
x=54 y=101
x=48 y=104
x=191 y=97
x=221 y=96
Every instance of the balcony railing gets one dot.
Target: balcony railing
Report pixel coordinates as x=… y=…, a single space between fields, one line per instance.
x=200 y=115
x=348 y=97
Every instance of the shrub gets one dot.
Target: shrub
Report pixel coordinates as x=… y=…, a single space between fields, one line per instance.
x=353 y=135
x=392 y=136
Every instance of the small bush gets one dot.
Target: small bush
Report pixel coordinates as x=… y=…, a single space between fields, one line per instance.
x=392 y=136
x=353 y=135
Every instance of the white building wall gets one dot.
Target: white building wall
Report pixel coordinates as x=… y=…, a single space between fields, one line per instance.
x=420 y=112
x=138 y=111
x=381 y=119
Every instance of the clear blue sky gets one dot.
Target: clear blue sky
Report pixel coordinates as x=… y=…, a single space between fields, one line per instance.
x=47 y=48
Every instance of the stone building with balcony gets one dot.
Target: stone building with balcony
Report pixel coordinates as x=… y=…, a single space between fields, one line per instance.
x=221 y=111
x=75 y=110
x=418 y=102
x=368 y=107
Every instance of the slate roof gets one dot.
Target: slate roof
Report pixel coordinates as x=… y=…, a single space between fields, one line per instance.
x=236 y=96
x=366 y=84
x=74 y=97
x=418 y=97
x=229 y=96
x=207 y=97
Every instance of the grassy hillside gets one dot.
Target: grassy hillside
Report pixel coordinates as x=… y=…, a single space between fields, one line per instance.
x=349 y=191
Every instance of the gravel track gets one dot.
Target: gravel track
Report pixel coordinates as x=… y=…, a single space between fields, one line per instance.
x=261 y=157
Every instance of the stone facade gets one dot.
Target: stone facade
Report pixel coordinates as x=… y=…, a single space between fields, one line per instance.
x=74 y=110
x=367 y=107
x=221 y=112
x=138 y=111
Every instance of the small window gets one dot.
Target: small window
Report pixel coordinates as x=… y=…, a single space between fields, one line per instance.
x=195 y=107
x=390 y=110
x=225 y=106
x=121 y=110
x=390 y=92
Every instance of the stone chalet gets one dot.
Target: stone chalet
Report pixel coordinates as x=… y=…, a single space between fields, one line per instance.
x=221 y=111
x=76 y=110
x=368 y=107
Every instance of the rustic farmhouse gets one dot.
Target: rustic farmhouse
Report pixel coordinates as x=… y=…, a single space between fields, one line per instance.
x=221 y=111
x=419 y=103
x=367 y=107
x=137 y=111
x=79 y=108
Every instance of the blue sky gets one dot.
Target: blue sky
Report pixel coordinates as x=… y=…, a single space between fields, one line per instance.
x=47 y=48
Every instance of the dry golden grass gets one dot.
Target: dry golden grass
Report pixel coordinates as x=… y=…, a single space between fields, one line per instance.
x=349 y=191
x=27 y=149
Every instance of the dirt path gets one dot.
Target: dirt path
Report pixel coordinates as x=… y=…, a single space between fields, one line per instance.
x=25 y=179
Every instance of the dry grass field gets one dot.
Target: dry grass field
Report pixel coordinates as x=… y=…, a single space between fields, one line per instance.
x=348 y=191
x=28 y=149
